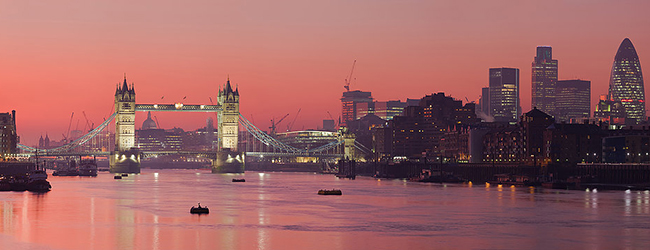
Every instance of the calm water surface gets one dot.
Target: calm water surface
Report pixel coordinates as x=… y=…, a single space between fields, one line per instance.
x=282 y=211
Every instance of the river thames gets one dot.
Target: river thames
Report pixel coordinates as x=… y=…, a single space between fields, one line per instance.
x=283 y=211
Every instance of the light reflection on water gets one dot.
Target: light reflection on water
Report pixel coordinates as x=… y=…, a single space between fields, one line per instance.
x=282 y=211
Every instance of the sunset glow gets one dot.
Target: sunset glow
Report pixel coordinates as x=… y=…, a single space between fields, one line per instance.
x=59 y=57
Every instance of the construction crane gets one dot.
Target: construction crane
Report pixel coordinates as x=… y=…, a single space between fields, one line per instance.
x=65 y=136
x=274 y=124
x=157 y=123
x=91 y=125
x=349 y=79
x=290 y=126
x=335 y=123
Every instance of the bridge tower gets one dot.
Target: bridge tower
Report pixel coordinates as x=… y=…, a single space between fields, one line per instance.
x=125 y=158
x=229 y=159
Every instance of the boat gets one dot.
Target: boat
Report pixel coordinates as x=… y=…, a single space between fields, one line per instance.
x=39 y=186
x=238 y=180
x=4 y=184
x=330 y=192
x=87 y=168
x=37 y=175
x=199 y=210
x=68 y=168
x=117 y=177
x=37 y=181
x=125 y=175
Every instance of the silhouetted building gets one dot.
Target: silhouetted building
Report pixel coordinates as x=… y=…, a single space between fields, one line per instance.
x=573 y=143
x=329 y=125
x=8 y=135
x=626 y=82
x=544 y=79
x=533 y=125
x=626 y=149
x=362 y=129
x=504 y=144
x=349 y=103
x=408 y=133
x=440 y=113
x=504 y=94
x=573 y=100
x=44 y=143
x=484 y=104
x=629 y=145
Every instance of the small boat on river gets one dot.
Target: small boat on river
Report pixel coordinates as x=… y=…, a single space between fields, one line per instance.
x=199 y=210
x=87 y=168
x=330 y=192
x=238 y=180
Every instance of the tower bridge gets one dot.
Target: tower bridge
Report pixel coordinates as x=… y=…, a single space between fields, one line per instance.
x=125 y=157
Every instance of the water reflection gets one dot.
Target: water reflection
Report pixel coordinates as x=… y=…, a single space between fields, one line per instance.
x=282 y=211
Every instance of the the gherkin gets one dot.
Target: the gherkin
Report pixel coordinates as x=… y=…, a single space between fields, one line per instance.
x=626 y=82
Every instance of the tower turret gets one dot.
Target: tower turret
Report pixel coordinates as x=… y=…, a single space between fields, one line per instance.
x=125 y=158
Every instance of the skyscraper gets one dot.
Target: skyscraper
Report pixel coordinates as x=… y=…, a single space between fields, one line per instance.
x=485 y=101
x=573 y=100
x=349 y=103
x=626 y=82
x=544 y=79
x=504 y=94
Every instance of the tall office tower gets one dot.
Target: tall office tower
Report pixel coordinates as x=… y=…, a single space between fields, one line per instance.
x=573 y=100
x=349 y=102
x=544 y=79
x=485 y=101
x=626 y=82
x=504 y=94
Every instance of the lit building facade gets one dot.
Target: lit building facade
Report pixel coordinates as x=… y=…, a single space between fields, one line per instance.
x=544 y=80
x=626 y=82
x=573 y=100
x=389 y=109
x=504 y=94
x=349 y=103
x=8 y=136
x=610 y=111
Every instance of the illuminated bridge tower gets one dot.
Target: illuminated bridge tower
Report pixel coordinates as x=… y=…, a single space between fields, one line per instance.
x=125 y=158
x=626 y=83
x=229 y=159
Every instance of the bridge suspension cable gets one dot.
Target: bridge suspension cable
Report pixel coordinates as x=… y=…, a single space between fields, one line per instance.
x=73 y=144
x=271 y=141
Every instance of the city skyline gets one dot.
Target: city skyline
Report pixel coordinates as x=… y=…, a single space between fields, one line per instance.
x=59 y=59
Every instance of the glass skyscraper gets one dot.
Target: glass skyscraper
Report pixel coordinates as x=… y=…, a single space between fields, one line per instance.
x=544 y=81
x=573 y=100
x=626 y=82
x=504 y=94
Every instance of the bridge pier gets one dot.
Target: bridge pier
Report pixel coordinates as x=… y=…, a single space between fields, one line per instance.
x=228 y=162
x=125 y=162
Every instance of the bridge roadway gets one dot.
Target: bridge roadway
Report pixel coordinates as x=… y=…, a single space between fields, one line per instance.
x=182 y=152
x=177 y=107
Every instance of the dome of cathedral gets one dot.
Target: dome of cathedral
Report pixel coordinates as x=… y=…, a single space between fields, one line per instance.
x=149 y=123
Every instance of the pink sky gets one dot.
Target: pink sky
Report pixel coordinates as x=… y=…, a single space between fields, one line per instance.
x=59 y=57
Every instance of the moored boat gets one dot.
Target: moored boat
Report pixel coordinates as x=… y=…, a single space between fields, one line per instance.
x=238 y=180
x=330 y=192
x=87 y=168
